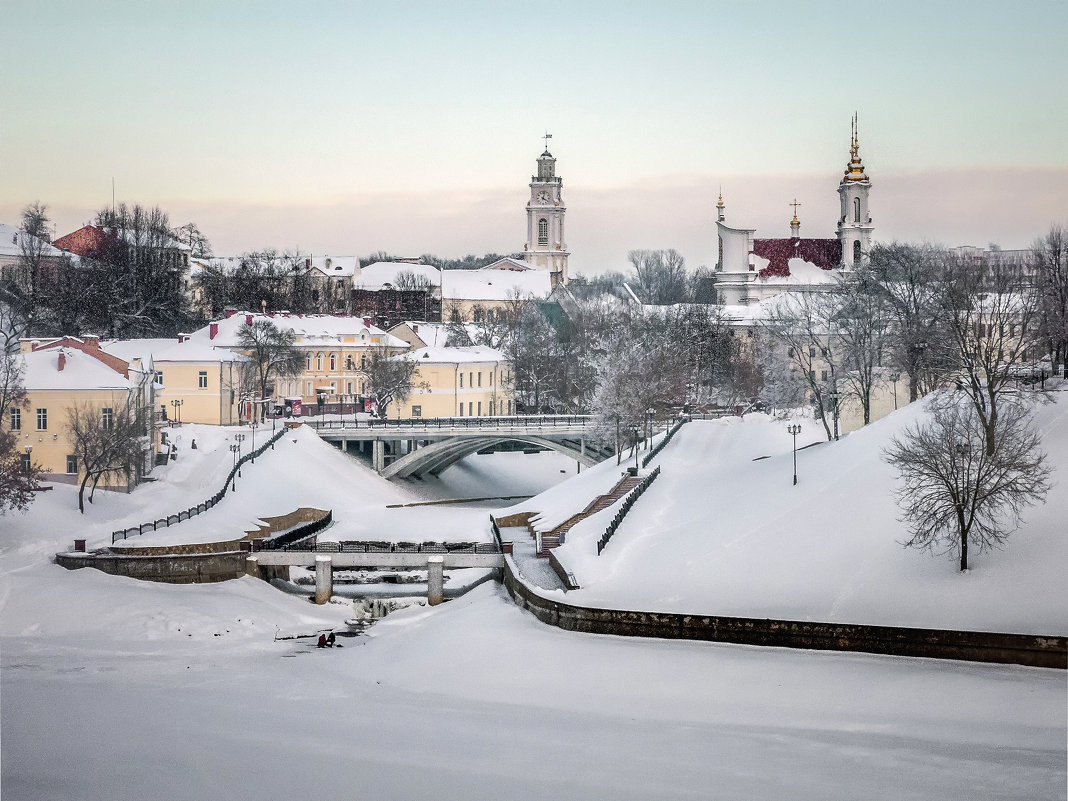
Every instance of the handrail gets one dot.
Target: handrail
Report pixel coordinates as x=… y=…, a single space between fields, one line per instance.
x=435 y=423
x=660 y=445
x=628 y=502
x=193 y=511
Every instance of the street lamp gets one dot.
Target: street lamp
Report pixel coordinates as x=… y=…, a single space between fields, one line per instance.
x=895 y=377
x=254 y=424
x=29 y=450
x=794 y=429
x=240 y=438
x=649 y=426
x=176 y=404
x=634 y=433
x=234 y=449
x=834 y=406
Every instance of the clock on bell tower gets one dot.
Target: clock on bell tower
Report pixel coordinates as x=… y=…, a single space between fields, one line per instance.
x=546 y=247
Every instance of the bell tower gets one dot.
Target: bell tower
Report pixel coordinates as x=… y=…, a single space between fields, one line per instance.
x=854 y=223
x=546 y=248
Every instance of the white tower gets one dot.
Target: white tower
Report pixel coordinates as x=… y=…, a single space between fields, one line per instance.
x=854 y=224
x=545 y=247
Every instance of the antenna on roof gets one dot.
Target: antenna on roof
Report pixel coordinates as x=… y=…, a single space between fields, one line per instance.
x=112 y=194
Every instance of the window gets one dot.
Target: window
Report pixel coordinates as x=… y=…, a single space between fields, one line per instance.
x=856 y=209
x=363 y=361
x=812 y=375
x=461 y=410
x=790 y=352
x=202 y=379
x=823 y=376
x=16 y=419
x=811 y=351
x=856 y=250
x=42 y=419
x=315 y=295
x=491 y=408
x=348 y=388
x=543 y=231
x=159 y=377
x=107 y=419
x=491 y=378
x=417 y=411
x=318 y=362
x=333 y=362
x=461 y=380
x=25 y=458
x=348 y=363
x=470 y=379
x=480 y=408
x=307 y=362
x=480 y=378
x=470 y=408
x=72 y=464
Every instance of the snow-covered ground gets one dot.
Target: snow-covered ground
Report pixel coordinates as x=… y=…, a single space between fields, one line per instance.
x=112 y=688
x=720 y=533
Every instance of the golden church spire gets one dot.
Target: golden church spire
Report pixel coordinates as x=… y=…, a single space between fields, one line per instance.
x=855 y=169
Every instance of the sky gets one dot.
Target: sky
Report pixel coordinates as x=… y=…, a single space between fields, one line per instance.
x=342 y=128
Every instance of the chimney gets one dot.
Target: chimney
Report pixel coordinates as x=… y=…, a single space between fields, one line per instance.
x=366 y=322
x=213 y=330
x=248 y=319
x=415 y=328
x=228 y=313
x=62 y=361
x=92 y=341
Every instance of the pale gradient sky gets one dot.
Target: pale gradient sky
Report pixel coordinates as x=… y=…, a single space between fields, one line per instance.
x=344 y=128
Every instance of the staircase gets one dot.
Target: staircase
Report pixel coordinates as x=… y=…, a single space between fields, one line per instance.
x=556 y=537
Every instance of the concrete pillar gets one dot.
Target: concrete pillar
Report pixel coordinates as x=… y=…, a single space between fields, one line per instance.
x=252 y=567
x=378 y=455
x=435 y=580
x=324 y=579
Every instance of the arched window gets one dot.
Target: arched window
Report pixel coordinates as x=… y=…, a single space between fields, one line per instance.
x=543 y=231
x=856 y=209
x=333 y=362
x=307 y=362
x=318 y=362
x=856 y=251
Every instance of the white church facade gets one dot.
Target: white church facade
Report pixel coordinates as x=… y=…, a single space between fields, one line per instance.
x=750 y=269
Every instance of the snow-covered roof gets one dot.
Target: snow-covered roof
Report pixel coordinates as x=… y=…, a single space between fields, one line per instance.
x=80 y=371
x=129 y=349
x=383 y=274
x=334 y=265
x=436 y=335
x=474 y=353
x=508 y=263
x=487 y=284
x=169 y=350
x=327 y=330
x=802 y=273
x=12 y=240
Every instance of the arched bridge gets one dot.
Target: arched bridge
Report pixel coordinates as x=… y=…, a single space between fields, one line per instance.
x=409 y=447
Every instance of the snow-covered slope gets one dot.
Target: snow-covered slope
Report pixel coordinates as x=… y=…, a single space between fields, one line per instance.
x=721 y=533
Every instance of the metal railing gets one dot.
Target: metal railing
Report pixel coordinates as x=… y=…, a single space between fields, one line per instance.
x=628 y=502
x=660 y=445
x=193 y=511
x=379 y=546
x=434 y=423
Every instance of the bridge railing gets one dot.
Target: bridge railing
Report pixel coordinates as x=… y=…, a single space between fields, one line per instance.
x=380 y=546
x=435 y=423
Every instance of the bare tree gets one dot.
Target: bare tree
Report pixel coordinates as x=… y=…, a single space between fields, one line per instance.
x=410 y=281
x=862 y=328
x=801 y=322
x=1050 y=264
x=989 y=309
x=17 y=480
x=392 y=377
x=910 y=277
x=956 y=491
x=105 y=442
x=192 y=237
x=661 y=275
x=273 y=353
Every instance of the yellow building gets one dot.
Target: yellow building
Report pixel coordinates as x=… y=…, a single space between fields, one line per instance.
x=457 y=382
x=336 y=348
x=196 y=383
x=64 y=373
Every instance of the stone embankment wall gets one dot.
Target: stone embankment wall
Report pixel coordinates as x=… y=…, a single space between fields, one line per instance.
x=1019 y=649
x=172 y=568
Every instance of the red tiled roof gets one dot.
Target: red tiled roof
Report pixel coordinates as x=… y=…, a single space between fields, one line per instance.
x=87 y=241
x=824 y=253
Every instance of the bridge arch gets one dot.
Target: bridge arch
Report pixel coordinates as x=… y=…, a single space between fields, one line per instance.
x=437 y=456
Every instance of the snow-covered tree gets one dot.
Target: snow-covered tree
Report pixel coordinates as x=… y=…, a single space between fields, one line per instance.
x=273 y=353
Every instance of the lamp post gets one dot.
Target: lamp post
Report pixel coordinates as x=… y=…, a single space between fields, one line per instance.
x=254 y=442
x=649 y=426
x=895 y=377
x=635 y=432
x=794 y=429
x=233 y=450
x=240 y=438
x=29 y=467
x=176 y=404
x=834 y=408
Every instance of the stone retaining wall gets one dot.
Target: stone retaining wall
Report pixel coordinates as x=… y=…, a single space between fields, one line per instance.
x=169 y=568
x=178 y=550
x=1018 y=649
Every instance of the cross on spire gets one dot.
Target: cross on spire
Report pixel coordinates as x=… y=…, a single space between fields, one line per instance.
x=795 y=204
x=547 y=137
